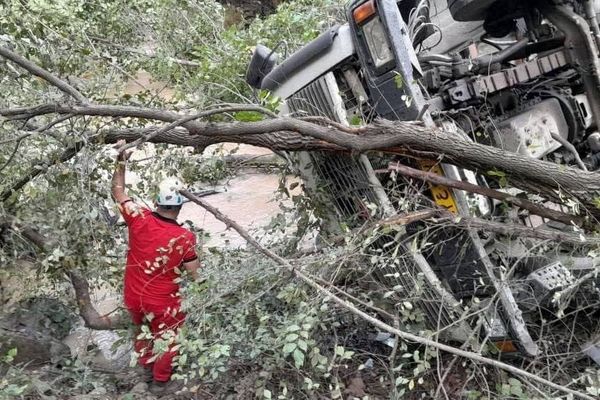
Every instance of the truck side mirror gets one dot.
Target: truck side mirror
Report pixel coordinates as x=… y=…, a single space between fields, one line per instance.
x=262 y=62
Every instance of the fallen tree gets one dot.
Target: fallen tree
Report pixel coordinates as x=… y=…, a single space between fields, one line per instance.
x=290 y=134
x=311 y=133
x=280 y=133
x=536 y=176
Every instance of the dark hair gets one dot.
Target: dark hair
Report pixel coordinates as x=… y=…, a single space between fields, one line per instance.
x=169 y=208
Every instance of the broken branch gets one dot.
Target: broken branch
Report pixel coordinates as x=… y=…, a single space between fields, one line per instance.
x=503 y=228
x=42 y=73
x=88 y=312
x=91 y=316
x=494 y=194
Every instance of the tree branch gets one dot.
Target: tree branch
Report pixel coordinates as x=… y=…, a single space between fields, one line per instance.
x=189 y=118
x=527 y=173
x=374 y=321
x=442 y=216
x=509 y=229
x=28 y=232
x=147 y=53
x=88 y=312
x=41 y=167
x=494 y=194
x=280 y=141
x=42 y=73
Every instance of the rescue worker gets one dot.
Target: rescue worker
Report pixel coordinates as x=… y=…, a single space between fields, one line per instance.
x=160 y=249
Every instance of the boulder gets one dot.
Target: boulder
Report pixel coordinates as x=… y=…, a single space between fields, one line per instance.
x=33 y=348
x=43 y=314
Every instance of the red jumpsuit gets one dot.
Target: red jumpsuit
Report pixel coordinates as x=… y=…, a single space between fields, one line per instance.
x=158 y=247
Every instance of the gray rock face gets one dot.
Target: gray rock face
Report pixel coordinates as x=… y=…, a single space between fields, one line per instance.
x=46 y=315
x=35 y=328
x=33 y=348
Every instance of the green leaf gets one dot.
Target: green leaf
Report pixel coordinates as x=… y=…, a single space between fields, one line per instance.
x=400 y=381
x=248 y=116
x=291 y=337
x=515 y=387
x=499 y=174
x=355 y=120
x=298 y=358
x=182 y=359
x=289 y=347
x=399 y=80
x=302 y=345
x=267 y=394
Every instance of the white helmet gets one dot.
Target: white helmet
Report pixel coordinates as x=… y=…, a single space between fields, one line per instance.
x=168 y=192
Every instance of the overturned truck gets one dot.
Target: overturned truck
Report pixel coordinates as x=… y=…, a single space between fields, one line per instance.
x=522 y=75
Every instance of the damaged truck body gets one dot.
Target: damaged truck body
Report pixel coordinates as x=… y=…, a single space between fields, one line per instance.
x=522 y=75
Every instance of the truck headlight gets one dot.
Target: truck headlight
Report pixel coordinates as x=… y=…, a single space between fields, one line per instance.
x=377 y=42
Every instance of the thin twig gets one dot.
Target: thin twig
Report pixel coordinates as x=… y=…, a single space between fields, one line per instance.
x=147 y=53
x=39 y=130
x=569 y=147
x=14 y=152
x=42 y=73
x=354 y=298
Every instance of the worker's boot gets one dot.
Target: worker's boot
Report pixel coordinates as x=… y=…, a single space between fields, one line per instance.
x=164 y=388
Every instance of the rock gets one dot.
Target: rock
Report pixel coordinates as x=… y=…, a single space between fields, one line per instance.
x=141 y=387
x=98 y=391
x=98 y=347
x=34 y=348
x=42 y=314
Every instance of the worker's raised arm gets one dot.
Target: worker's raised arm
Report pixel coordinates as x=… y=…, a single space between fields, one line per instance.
x=118 y=179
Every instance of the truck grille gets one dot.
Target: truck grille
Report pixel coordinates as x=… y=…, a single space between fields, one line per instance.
x=314 y=100
x=345 y=181
x=342 y=176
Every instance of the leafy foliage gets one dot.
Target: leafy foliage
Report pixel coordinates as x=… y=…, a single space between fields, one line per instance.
x=251 y=327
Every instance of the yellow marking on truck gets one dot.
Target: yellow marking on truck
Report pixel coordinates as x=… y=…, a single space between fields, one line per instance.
x=442 y=195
